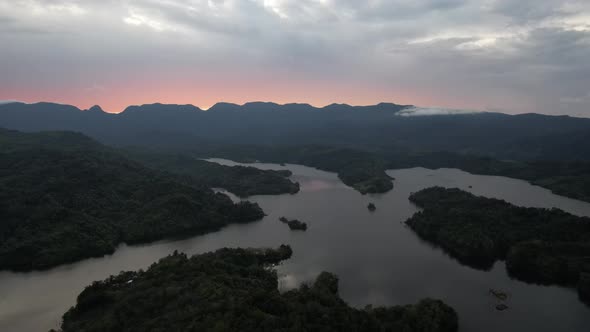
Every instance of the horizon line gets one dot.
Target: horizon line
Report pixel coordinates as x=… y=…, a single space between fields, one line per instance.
x=5 y=102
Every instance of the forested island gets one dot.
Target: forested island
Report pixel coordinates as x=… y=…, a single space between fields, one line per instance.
x=66 y=197
x=364 y=170
x=240 y=180
x=294 y=224
x=546 y=246
x=234 y=290
x=361 y=170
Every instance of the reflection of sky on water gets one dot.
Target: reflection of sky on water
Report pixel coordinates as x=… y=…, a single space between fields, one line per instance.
x=376 y=258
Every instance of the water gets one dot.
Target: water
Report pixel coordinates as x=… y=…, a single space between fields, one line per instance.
x=377 y=258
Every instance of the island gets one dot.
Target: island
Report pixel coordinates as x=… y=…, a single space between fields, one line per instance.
x=294 y=224
x=364 y=171
x=66 y=197
x=236 y=290
x=545 y=246
x=371 y=207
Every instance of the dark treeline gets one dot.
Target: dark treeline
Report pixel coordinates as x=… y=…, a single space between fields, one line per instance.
x=546 y=246
x=566 y=178
x=501 y=136
x=64 y=197
x=550 y=151
x=364 y=171
x=233 y=290
x=240 y=180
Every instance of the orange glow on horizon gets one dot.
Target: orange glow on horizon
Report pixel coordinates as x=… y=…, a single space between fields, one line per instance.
x=116 y=97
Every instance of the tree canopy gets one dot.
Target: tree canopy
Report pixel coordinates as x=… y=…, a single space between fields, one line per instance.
x=65 y=197
x=539 y=245
x=235 y=290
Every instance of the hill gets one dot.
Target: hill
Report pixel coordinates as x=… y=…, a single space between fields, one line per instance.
x=65 y=197
x=539 y=245
x=234 y=290
x=502 y=136
x=240 y=180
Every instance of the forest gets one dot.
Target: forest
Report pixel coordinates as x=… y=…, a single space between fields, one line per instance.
x=364 y=169
x=234 y=290
x=566 y=178
x=361 y=170
x=65 y=197
x=240 y=180
x=546 y=246
x=358 y=143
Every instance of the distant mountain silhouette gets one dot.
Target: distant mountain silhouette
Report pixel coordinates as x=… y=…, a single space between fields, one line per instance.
x=159 y=108
x=525 y=136
x=273 y=107
x=95 y=109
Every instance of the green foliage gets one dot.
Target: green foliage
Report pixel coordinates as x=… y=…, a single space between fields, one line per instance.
x=566 y=178
x=539 y=245
x=364 y=170
x=64 y=197
x=361 y=170
x=240 y=180
x=234 y=290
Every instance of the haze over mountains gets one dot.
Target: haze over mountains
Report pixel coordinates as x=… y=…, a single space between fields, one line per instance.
x=522 y=137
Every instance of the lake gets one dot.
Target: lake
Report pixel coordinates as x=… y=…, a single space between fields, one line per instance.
x=379 y=261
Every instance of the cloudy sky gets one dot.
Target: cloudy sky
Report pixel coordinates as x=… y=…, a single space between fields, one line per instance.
x=509 y=55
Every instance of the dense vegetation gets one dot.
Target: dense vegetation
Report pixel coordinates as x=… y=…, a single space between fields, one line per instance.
x=365 y=170
x=360 y=170
x=64 y=197
x=240 y=180
x=294 y=224
x=272 y=131
x=501 y=136
x=539 y=245
x=567 y=178
x=234 y=290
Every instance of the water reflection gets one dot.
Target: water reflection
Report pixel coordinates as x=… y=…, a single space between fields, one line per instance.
x=378 y=260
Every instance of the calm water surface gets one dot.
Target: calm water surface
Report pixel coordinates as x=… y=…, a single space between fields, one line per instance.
x=377 y=258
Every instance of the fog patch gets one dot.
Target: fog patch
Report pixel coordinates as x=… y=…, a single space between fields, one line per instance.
x=428 y=111
x=2 y=102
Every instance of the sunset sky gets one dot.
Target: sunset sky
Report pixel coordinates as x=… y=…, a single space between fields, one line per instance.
x=504 y=55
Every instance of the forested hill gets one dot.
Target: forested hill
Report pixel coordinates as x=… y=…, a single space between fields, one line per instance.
x=539 y=245
x=64 y=197
x=502 y=136
x=240 y=180
x=233 y=290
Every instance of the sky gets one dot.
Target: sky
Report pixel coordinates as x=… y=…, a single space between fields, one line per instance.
x=512 y=56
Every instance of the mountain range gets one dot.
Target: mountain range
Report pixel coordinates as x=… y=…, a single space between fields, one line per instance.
x=519 y=137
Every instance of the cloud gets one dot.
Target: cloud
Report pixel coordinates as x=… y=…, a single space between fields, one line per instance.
x=519 y=55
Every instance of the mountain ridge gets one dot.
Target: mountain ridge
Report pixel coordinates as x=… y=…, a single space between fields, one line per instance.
x=383 y=125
